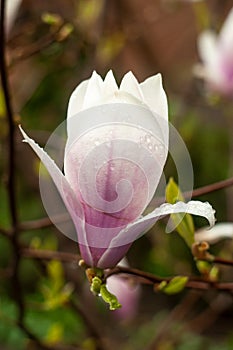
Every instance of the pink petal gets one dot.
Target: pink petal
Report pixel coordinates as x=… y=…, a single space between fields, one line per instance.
x=114 y=169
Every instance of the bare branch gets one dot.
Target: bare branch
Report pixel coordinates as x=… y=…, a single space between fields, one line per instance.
x=50 y=255
x=212 y=187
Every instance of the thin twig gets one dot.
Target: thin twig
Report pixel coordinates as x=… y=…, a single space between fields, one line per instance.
x=35 y=48
x=10 y=118
x=11 y=188
x=193 y=282
x=50 y=255
x=11 y=166
x=222 y=261
x=144 y=277
x=44 y=222
x=210 y=188
x=5 y=232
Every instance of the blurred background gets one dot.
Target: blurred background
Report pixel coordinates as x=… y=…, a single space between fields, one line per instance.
x=51 y=47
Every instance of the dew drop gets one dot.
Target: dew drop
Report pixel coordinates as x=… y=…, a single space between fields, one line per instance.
x=148 y=138
x=97 y=142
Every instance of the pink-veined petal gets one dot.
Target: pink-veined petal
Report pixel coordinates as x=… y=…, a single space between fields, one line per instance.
x=72 y=203
x=137 y=228
x=115 y=166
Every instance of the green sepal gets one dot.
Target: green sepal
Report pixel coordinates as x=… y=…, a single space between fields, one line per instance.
x=96 y=285
x=109 y=298
x=99 y=288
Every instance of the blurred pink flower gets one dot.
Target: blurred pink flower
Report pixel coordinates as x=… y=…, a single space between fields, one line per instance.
x=216 y=53
x=127 y=294
x=115 y=153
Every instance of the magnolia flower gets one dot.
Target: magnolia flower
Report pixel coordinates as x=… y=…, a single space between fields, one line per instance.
x=216 y=52
x=220 y=231
x=116 y=149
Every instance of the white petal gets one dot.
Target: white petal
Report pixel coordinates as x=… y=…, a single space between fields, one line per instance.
x=94 y=92
x=140 y=226
x=77 y=98
x=86 y=95
x=207 y=46
x=110 y=85
x=130 y=84
x=218 y=232
x=71 y=201
x=155 y=96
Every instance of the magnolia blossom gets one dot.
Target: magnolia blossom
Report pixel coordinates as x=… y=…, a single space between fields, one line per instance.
x=116 y=149
x=216 y=53
x=220 y=231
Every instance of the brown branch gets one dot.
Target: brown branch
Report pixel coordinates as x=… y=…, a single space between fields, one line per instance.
x=10 y=119
x=144 y=277
x=35 y=48
x=211 y=188
x=11 y=166
x=193 y=282
x=222 y=261
x=5 y=232
x=43 y=222
x=50 y=255
x=11 y=188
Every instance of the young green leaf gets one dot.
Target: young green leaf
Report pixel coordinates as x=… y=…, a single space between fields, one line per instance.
x=176 y=285
x=182 y=223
